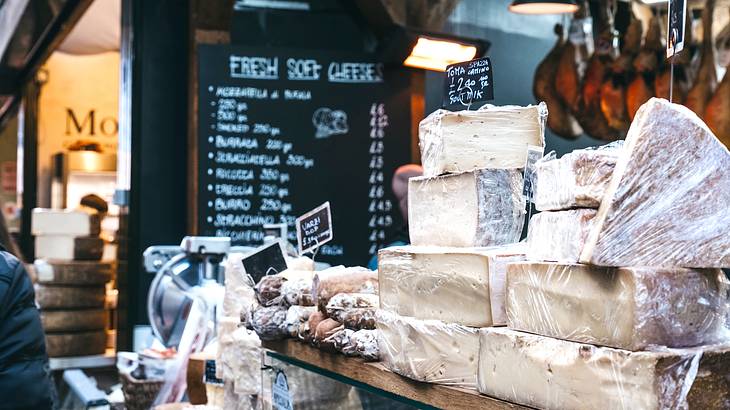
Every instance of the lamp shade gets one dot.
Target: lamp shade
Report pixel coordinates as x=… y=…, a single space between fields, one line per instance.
x=543 y=6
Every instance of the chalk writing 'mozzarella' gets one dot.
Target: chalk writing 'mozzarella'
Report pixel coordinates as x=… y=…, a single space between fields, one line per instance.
x=264 y=68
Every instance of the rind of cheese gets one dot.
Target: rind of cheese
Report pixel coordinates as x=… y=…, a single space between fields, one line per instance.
x=491 y=137
x=554 y=374
x=559 y=236
x=68 y=248
x=74 y=320
x=484 y=207
x=628 y=308
x=428 y=350
x=456 y=285
x=64 y=222
x=667 y=204
x=76 y=344
x=577 y=180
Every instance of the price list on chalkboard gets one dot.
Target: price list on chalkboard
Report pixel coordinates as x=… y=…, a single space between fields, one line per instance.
x=282 y=131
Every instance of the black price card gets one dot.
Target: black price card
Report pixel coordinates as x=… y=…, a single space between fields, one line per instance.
x=676 y=26
x=266 y=260
x=314 y=228
x=468 y=84
x=209 y=375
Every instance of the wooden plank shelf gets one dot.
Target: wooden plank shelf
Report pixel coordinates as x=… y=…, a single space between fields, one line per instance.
x=376 y=378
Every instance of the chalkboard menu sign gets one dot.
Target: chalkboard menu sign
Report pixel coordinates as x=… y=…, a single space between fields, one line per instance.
x=282 y=131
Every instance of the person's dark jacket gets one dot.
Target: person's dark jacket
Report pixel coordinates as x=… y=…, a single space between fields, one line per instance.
x=25 y=382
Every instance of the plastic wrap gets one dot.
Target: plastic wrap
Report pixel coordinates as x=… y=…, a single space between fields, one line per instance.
x=268 y=290
x=484 y=207
x=298 y=291
x=456 y=285
x=238 y=359
x=559 y=236
x=628 y=308
x=323 y=333
x=577 y=180
x=329 y=282
x=361 y=343
x=667 y=203
x=239 y=297
x=353 y=310
x=491 y=137
x=295 y=317
x=561 y=375
x=428 y=350
x=269 y=322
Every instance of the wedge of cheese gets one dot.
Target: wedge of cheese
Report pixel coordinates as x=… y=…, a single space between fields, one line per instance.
x=628 y=308
x=577 y=180
x=428 y=350
x=64 y=222
x=559 y=236
x=554 y=374
x=455 y=285
x=484 y=207
x=667 y=204
x=491 y=137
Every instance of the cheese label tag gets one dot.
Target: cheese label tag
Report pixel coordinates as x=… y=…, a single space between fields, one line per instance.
x=676 y=22
x=209 y=375
x=467 y=84
x=314 y=228
x=280 y=397
x=264 y=260
x=534 y=153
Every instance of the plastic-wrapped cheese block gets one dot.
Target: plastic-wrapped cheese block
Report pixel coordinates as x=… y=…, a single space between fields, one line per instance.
x=484 y=207
x=72 y=273
x=74 y=320
x=239 y=358
x=628 y=308
x=667 y=204
x=70 y=297
x=69 y=248
x=339 y=279
x=577 y=180
x=239 y=297
x=561 y=375
x=559 y=236
x=428 y=350
x=64 y=222
x=455 y=285
x=491 y=137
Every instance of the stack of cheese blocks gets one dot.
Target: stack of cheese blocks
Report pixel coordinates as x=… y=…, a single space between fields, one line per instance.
x=465 y=216
x=70 y=283
x=621 y=304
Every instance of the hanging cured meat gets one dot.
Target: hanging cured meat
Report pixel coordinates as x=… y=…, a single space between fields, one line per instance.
x=717 y=113
x=706 y=80
x=589 y=114
x=614 y=89
x=560 y=121
x=574 y=59
x=641 y=88
x=682 y=67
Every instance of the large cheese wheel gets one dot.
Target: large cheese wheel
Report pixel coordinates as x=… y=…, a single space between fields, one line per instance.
x=71 y=320
x=76 y=344
x=65 y=297
x=73 y=273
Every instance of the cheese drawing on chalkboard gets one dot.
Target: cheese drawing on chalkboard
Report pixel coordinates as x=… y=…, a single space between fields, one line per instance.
x=329 y=122
x=314 y=228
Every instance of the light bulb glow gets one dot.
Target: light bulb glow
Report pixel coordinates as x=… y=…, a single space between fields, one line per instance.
x=435 y=55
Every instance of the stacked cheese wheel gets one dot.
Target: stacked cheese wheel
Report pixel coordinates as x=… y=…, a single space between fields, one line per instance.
x=621 y=303
x=71 y=296
x=465 y=218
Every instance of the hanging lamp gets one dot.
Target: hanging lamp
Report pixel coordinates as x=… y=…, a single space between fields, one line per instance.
x=543 y=6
